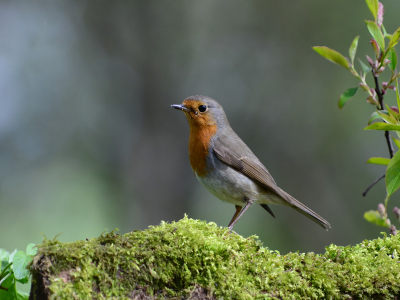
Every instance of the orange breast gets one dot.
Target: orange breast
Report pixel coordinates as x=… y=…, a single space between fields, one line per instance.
x=199 y=141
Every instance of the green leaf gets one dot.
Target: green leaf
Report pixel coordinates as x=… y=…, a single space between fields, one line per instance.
x=376 y=34
x=391 y=112
x=4 y=271
x=353 y=49
x=20 y=262
x=22 y=295
x=12 y=255
x=378 y=161
x=387 y=118
x=393 y=174
x=347 y=95
x=4 y=264
x=31 y=249
x=397 y=142
x=10 y=284
x=385 y=34
x=365 y=68
x=374 y=116
x=382 y=126
x=332 y=55
x=4 y=255
x=373 y=7
x=4 y=278
x=374 y=217
x=397 y=93
x=395 y=38
x=392 y=56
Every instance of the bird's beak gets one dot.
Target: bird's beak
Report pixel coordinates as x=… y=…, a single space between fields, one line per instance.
x=180 y=107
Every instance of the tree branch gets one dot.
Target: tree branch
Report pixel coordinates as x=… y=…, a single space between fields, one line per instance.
x=380 y=98
x=174 y=261
x=372 y=184
x=387 y=135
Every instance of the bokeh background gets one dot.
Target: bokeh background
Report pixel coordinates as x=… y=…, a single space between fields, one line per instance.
x=88 y=140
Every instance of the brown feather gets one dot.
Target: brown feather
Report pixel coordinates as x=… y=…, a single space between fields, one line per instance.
x=202 y=128
x=199 y=143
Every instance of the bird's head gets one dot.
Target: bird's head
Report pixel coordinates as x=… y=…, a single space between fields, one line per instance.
x=202 y=111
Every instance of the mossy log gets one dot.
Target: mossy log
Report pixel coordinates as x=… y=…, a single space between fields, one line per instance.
x=192 y=259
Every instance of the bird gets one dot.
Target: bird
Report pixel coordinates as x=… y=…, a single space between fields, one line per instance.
x=227 y=167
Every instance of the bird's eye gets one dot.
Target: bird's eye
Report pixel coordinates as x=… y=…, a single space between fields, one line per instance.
x=202 y=108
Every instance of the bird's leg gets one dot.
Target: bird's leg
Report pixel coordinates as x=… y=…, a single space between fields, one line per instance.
x=238 y=209
x=234 y=220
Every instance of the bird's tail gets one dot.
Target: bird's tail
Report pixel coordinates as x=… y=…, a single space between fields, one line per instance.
x=301 y=208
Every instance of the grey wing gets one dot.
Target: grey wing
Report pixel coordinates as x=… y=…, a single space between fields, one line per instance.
x=251 y=167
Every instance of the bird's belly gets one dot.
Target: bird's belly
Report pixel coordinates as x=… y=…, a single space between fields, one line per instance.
x=233 y=189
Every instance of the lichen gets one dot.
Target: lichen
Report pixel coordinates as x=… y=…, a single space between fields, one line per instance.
x=175 y=259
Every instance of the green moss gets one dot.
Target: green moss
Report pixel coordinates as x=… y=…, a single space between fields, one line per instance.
x=172 y=260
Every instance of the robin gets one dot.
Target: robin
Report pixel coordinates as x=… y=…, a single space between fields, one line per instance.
x=226 y=167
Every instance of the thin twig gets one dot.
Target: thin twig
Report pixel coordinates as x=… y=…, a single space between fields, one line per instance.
x=380 y=98
x=389 y=142
x=378 y=90
x=375 y=182
x=387 y=135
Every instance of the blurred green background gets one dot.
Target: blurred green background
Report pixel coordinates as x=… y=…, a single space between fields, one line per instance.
x=88 y=140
